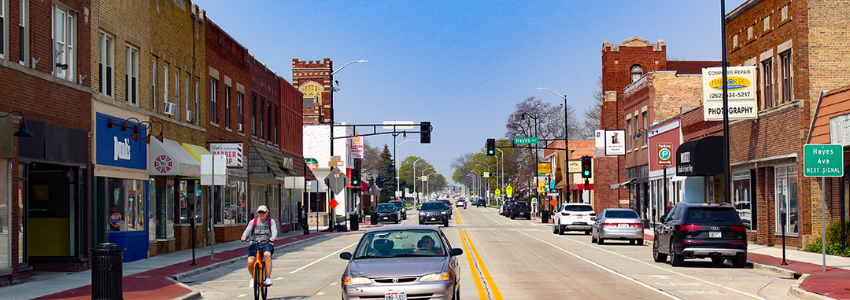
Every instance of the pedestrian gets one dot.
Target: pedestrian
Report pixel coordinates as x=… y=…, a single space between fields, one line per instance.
x=304 y=220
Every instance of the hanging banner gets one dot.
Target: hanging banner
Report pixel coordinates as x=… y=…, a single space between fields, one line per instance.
x=357 y=147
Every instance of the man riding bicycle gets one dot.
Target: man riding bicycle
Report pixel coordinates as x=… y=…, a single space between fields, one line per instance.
x=262 y=230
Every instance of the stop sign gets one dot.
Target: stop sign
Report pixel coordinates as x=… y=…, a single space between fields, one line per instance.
x=333 y=203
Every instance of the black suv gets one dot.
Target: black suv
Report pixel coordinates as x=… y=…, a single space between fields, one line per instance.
x=433 y=212
x=480 y=202
x=401 y=208
x=700 y=230
x=520 y=209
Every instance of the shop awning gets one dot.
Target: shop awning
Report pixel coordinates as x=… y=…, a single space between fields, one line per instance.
x=618 y=185
x=268 y=163
x=169 y=158
x=703 y=157
x=196 y=151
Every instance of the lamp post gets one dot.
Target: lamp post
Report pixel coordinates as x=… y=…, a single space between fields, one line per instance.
x=536 y=190
x=566 y=141
x=502 y=169
x=333 y=89
x=428 y=184
x=487 y=193
x=415 y=196
x=397 y=176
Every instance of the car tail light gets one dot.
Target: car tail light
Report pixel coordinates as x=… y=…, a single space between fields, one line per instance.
x=635 y=225
x=565 y=214
x=738 y=228
x=593 y=214
x=609 y=224
x=689 y=227
x=691 y=242
x=738 y=243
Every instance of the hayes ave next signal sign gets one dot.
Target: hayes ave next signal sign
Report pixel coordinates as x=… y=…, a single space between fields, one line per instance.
x=823 y=160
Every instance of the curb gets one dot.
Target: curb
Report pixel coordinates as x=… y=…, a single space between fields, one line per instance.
x=193 y=295
x=196 y=272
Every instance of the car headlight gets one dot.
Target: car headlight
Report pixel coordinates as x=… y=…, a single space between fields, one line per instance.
x=422 y=214
x=356 y=280
x=442 y=212
x=444 y=276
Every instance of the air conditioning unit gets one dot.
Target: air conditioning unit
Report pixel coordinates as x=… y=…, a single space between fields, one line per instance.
x=188 y=116
x=239 y=127
x=169 y=108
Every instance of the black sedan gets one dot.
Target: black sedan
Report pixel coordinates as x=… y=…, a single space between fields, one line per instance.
x=701 y=230
x=434 y=212
x=387 y=212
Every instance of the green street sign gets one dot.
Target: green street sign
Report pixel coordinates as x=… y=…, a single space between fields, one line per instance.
x=823 y=160
x=526 y=140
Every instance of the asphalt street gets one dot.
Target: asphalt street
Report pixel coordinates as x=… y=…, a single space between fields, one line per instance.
x=513 y=259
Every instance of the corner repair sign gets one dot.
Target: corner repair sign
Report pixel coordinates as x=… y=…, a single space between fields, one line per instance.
x=740 y=91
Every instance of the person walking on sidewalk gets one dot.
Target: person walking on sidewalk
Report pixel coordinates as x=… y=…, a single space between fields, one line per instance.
x=304 y=220
x=261 y=230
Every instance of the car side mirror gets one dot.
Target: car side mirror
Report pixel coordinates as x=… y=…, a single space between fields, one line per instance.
x=345 y=255
x=456 y=251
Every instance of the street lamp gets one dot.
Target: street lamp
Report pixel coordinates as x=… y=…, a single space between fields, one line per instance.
x=487 y=193
x=502 y=168
x=415 y=196
x=536 y=190
x=397 y=176
x=333 y=89
x=566 y=141
x=428 y=184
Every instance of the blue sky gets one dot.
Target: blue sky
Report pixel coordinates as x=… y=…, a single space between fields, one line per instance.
x=462 y=65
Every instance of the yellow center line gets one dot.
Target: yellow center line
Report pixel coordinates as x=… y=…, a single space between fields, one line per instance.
x=492 y=284
x=457 y=219
x=481 y=293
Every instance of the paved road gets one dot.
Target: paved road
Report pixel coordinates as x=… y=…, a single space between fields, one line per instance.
x=515 y=259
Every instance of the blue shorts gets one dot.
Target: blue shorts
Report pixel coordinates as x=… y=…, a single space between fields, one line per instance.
x=252 y=249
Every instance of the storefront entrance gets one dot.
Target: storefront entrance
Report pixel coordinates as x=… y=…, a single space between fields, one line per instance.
x=54 y=209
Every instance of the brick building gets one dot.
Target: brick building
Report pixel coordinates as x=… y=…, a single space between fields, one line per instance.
x=623 y=65
x=51 y=95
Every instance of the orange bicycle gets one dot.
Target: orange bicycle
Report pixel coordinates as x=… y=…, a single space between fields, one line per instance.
x=260 y=288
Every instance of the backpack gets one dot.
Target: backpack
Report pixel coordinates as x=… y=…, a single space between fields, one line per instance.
x=255 y=225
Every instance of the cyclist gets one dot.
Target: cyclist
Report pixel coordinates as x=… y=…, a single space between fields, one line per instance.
x=261 y=230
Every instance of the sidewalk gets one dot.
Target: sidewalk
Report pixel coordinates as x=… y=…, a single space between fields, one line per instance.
x=153 y=278
x=813 y=282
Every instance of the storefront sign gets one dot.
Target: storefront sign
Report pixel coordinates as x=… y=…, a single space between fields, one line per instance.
x=574 y=166
x=312 y=163
x=544 y=168
x=740 y=91
x=231 y=151
x=357 y=147
x=839 y=130
x=116 y=148
x=115 y=219
x=615 y=142
x=823 y=160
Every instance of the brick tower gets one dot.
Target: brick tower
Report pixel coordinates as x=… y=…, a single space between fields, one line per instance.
x=313 y=79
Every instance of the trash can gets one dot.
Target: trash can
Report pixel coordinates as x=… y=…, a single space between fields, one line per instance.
x=374 y=218
x=544 y=216
x=355 y=222
x=107 y=271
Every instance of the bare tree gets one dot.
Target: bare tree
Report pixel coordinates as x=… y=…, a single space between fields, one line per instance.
x=593 y=114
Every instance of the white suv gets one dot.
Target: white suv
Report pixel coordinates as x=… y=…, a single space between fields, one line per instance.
x=573 y=217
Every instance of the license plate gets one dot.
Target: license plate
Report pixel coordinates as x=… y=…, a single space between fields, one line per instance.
x=521 y=214
x=433 y=219
x=395 y=296
x=714 y=234
x=385 y=218
x=623 y=225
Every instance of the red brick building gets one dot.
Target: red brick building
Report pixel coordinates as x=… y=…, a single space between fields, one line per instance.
x=37 y=85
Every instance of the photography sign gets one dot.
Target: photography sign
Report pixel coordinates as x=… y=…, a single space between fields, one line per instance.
x=740 y=91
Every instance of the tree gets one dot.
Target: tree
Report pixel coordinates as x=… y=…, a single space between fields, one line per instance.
x=406 y=172
x=371 y=160
x=386 y=175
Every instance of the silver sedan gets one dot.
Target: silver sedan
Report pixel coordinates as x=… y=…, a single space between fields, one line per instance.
x=400 y=263
x=617 y=224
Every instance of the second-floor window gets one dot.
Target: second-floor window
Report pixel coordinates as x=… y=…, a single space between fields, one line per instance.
x=226 y=106
x=254 y=115
x=787 y=80
x=645 y=126
x=213 y=101
x=177 y=94
x=106 y=64
x=154 y=99
x=767 y=83
x=240 y=106
x=23 y=32
x=188 y=96
x=131 y=76
x=3 y=35
x=637 y=72
x=628 y=134
x=64 y=43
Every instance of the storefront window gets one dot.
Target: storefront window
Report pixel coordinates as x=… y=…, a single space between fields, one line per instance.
x=742 y=199
x=786 y=199
x=188 y=203
x=5 y=215
x=231 y=208
x=127 y=206
x=152 y=210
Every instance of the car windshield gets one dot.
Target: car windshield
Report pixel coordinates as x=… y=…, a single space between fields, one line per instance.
x=521 y=204
x=386 y=206
x=433 y=206
x=578 y=208
x=398 y=204
x=621 y=214
x=711 y=214
x=399 y=243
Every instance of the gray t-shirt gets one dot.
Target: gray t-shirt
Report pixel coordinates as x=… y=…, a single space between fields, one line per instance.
x=263 y=232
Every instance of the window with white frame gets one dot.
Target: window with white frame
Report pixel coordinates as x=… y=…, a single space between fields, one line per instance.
x=131 y=76
x=3 y=35
x=240 y=106
x=784 y=13
x=787 y=203
x=64 y=42
x=645 y=116
x=628 y=133
x=226 y=106
x=213 y=101
x=106 y=64
x=766 y=23
x=767 y=82
x=197 y=102
x=23 y=33
x=787 y=79
x=153 y=85
x=165 y=85
x=177 y=94
x=188 y=112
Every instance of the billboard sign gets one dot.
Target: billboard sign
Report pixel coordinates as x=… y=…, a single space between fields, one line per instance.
x=740 y=91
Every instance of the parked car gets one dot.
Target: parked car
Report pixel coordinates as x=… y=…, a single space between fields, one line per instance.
x=573 y=217
x=434 y=212
x=505 y=207
x=387 y=212
x=520 y=209
x=617 y=224
x=700 y=230
x=400 y=262
x=401 y=209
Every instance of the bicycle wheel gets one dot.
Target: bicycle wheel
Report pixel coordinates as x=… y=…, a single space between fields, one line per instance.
x=258 y=281
x=265 y=291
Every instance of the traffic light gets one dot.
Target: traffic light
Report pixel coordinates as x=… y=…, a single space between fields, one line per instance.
x=355 y=177
x=491 y=147
x=586 y=167
x=425 y=132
